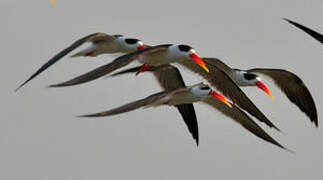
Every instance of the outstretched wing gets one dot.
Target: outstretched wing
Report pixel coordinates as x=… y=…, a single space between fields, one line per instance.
x=90 y=38
x=294 y=88
x=307 y=30
x=236 y=114
x=150 y=100
x=221 y=81
x=170 y=78
x=114 y=65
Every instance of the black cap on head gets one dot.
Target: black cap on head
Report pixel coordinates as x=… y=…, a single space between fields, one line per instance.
x=131 y=41
x=249 y=76
x=184 y=48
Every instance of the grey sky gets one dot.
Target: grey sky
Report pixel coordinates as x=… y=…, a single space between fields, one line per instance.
x=41 y=138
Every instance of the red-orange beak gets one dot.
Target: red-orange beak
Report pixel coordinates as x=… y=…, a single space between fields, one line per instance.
x=143 y=68
x=263 y=87
x=141 y=47
x=198 y=61
x=218 y=96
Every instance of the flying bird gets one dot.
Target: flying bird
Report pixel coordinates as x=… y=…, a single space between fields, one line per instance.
x=101 y=44
x=293 y=87
x=289 y=83
x=185 y=56
x=307 y=30
x=196 y=93
x=169 y=78
x=151 y=56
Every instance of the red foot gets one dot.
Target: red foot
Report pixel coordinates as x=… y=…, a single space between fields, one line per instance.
x=91 y=53
x=143 y=68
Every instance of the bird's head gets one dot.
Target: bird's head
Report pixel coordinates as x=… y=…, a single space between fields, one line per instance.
x=185 y=52
x=251 y=79
x=130 y=44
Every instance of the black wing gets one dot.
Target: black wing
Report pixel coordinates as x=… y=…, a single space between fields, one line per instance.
x=236 y=114
x=61 y=54
x=294 y=88
x=170 y=78
x=114 y=65
x=309 y=31
x=221 y=81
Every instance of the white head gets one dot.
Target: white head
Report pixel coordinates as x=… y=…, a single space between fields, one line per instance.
x=250 y=79
x=128 y=45
x=185 y=52
x=244 y=78
x=202 y=90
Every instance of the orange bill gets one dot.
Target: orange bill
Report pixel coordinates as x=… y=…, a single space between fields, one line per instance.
x=141 y=47
x=198 y=61
x=263 y=87
x=218 y=96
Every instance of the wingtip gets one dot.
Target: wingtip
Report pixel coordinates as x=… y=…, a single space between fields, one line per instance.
x=82 y=116
x=197 y=142
x=316 y=124
x=21 y=85
x=17 y=89
x=285 y=19
x=57 y=85
x=86 y=115
x=288 y=150
x=276 y=128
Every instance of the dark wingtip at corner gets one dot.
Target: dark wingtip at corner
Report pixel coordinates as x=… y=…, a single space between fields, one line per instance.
x=286 y=19
x=86 y=115
x=57 y=85
x=21 y=85
x=316 y=123
x=275 y=127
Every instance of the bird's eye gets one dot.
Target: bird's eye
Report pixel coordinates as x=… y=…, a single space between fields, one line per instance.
x=131 y=41
x=205 y=88
x=249 y=76
x=117 y=35
x=184 y=48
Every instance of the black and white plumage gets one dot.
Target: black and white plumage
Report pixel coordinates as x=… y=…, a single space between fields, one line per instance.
x=294 y=88
x=101 y=43
x=170 y=78
x=191 y=94
x=167 y=54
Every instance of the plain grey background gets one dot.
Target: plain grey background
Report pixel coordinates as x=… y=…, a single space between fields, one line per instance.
x=42 y=139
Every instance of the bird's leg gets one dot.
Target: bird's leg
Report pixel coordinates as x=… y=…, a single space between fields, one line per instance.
x=91 y=53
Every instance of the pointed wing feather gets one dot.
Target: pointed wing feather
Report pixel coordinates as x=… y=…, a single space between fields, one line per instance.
x=170 y=78
x=53 y=60
x=114 y=65
x=219 y=80
x=307 y=30
x=294 y=88
x=130 y=106
x=236 y=114
x=138 y=104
